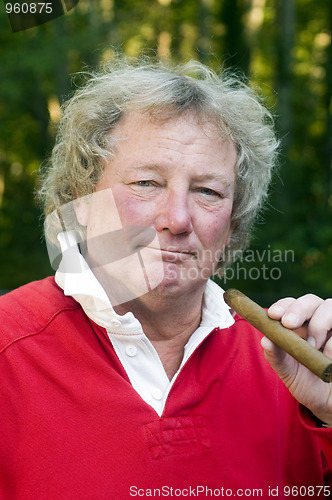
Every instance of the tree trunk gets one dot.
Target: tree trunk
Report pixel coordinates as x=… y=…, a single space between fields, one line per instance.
x=236 y=49
x=286 y=20
x=328 y=104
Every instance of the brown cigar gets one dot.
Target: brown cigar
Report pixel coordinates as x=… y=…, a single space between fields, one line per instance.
x=297 y=347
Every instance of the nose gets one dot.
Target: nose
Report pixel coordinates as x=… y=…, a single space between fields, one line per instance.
x=173 y=212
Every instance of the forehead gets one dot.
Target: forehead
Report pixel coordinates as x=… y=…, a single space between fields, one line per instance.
x=134 y=125
x=186 y=140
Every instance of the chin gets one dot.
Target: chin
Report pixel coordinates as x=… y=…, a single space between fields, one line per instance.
x=176 y=285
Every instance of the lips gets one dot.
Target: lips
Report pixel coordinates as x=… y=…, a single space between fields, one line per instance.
x=177 y=255
x=176 y=250
x=174 y=253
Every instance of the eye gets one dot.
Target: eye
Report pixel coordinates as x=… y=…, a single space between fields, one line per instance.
x=209 y=192
x=144 y=183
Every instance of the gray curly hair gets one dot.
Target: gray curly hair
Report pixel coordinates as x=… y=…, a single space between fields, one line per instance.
x=84 y=141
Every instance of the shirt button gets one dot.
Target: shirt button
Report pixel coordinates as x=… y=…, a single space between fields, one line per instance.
x=157 y=394
x=131 y=350
x=115 y=322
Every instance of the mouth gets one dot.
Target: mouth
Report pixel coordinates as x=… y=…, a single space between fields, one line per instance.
x=174 y=254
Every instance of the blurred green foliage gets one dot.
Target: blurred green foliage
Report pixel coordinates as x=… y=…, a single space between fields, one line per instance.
x=283 y=46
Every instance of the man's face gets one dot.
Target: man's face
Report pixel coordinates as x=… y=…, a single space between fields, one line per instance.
x=177 y=177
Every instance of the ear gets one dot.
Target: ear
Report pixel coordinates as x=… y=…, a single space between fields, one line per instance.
x=82 y=209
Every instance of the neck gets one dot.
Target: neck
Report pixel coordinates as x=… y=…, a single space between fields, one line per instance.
x=168 y=324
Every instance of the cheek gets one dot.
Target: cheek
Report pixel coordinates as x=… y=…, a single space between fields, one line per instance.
x=99 y=213
x=217 y=228
x=215 y=235
x=133 y=212
x=225 y=228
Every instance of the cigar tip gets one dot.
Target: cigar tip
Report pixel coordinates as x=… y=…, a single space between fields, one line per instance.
x=229 y=294
x=327 y=374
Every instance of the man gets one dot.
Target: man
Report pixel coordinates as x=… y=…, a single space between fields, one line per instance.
x=128 y=375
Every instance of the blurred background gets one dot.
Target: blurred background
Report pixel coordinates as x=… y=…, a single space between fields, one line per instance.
x=283 y=46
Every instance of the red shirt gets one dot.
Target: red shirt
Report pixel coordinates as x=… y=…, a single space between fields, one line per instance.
x=73 y=427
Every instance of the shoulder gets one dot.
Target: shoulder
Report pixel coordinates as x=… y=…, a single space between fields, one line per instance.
x=245 y=327
x=28 y=309
x=242 y=342
x=246 y=337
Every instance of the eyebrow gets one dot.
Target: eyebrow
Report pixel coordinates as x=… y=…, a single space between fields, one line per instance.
x=208 y=176
x=213 y=177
